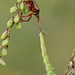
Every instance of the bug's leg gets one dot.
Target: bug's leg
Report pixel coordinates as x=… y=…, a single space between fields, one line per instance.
x=39 y=25
x=31 y=3
x=41 y=20
x=27 y=20
x=27 y=4
x=27 y=16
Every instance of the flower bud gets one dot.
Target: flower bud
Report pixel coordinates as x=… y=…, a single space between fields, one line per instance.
x=10 y=23
x=26 y=10
x=13 y=10
x=3 y=63
x=4 y=52
x=5 y=43
x=19 y=0
x=22 y=6
x=3 y=36
x=18 y=26
x=16 y=18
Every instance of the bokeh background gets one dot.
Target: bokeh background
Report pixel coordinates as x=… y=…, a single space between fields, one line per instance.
x=24 y=53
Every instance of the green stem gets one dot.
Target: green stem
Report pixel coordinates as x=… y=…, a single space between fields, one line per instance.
x=47 y=62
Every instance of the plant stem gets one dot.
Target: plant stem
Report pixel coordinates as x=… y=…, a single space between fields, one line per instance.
x=46 y=60
x=71 y=65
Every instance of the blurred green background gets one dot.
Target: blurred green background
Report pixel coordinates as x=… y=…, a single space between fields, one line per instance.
x=24 y=53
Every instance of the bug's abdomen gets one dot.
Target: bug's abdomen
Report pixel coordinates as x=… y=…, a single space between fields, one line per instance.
x=34 y=9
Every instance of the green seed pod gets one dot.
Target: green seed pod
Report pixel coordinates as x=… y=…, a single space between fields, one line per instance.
x=19 y=0
x=18 y=5
x=13 y=10
x=18 y=26
x=16 y=18
x=48 y=67
x=10 y=23
x=0 y=61
x=3 y=63
x=22 y=6
x=4 y=36
x=5 y=43
x=26 y=10
x=4 y=52
x=51 y=73
x=44 y=53
x=46 y=60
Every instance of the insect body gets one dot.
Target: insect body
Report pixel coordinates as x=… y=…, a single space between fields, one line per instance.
x=35 y=11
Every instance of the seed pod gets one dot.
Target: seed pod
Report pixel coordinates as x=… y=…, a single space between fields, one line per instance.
x=22 y=6
x=5 y=43
x=16 y=18
x=13 y=10
x=18 y=5
x=4 y=36
x=44 y=53
x=4 y=52
x=26 y=10
x=48 y=67
x=19 y=0
x=10 y=23
x=3 y=63
x=51 y=73
x=18 y=26
x=46 y=60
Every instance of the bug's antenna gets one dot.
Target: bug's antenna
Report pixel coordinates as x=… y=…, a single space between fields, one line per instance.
x=41 y=20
